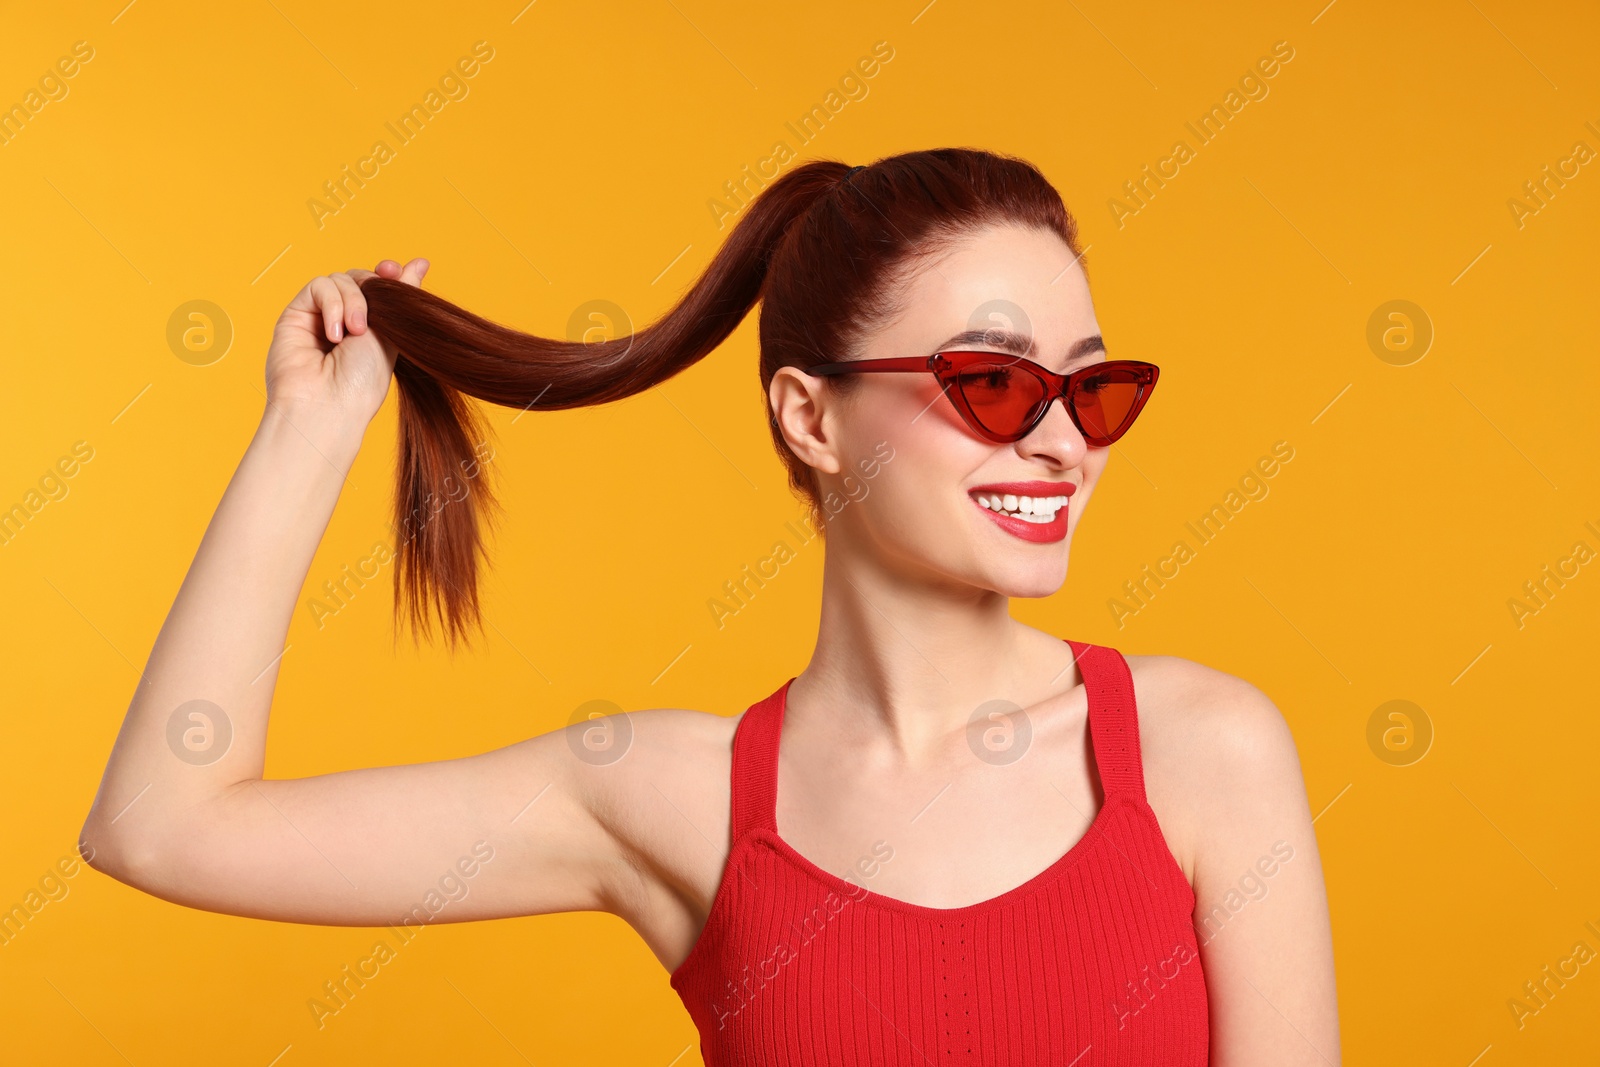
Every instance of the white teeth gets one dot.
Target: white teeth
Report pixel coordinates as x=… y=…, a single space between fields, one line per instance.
x=1040 y=509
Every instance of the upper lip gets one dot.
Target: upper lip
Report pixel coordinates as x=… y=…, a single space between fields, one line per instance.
x=1028 y=489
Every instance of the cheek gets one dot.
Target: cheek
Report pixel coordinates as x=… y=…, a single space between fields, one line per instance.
x=917 y=498
x=1092 y=466
x=900 y=412
x=927 y=453
x=936 y=410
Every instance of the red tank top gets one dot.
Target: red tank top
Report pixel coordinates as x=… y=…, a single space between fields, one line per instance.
x=1093 y=961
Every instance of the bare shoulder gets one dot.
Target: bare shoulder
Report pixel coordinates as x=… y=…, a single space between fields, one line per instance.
x=1215 y=749
x=1191 y=704
x=672 y=754
x=669 y=731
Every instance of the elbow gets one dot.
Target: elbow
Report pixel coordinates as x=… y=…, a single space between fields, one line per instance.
x=115 y=853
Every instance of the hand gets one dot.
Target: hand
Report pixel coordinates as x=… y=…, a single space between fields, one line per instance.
x=323 y=352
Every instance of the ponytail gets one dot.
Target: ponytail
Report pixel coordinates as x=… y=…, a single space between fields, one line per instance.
x=826 y=257
x=446 y=354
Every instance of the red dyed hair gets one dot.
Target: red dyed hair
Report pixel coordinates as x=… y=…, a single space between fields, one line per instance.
x=826 y=258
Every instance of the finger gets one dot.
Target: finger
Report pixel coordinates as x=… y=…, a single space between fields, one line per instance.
x=414 y=271
x=330 y=304
x=355 y=302
x=361 y=277
x=389 y=268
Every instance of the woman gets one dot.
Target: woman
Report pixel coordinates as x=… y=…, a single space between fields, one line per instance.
x=976 y=843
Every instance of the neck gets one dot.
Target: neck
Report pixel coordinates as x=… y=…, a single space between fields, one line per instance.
x=904 y=663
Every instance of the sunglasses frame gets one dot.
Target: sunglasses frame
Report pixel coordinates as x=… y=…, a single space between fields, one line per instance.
x=947 y=366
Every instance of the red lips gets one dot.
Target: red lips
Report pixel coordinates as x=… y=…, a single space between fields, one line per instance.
x=1037 y=532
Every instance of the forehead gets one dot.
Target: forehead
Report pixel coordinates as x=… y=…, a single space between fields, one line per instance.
x=1022 y=279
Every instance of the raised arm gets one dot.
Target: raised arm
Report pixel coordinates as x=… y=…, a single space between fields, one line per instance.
x=183 y=811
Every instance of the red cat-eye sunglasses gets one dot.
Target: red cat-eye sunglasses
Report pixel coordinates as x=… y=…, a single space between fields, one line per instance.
x=1003 y=397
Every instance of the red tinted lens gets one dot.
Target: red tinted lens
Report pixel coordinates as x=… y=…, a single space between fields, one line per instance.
x=1106 y=403
x=1003 y=396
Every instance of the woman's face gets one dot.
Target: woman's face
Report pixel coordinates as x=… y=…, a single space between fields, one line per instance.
x=901 y=474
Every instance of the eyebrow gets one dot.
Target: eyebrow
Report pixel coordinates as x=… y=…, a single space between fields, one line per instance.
x=1019 y=344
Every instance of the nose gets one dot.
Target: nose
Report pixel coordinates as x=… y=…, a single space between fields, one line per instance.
x=1056 y=439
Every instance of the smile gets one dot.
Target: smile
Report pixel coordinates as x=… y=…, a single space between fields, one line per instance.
x=1032 y=511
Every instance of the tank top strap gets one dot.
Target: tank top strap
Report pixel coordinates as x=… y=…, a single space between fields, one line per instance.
x=755 y=765
x=1113 y=717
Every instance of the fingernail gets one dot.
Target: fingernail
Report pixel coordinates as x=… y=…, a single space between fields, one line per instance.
x=338 y=328
x=424 y=269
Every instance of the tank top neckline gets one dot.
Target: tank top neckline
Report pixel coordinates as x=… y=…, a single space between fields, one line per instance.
x=862 y=895
x=1113 y=730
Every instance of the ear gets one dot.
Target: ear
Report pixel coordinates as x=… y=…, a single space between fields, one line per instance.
x=805 y=411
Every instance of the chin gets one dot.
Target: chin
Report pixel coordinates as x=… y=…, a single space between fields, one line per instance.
x=1031 y=583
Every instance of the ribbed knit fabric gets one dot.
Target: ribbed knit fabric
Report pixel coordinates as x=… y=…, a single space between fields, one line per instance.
x=1093 y=961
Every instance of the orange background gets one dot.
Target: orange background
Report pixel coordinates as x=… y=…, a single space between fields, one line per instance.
x=1379 y=566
